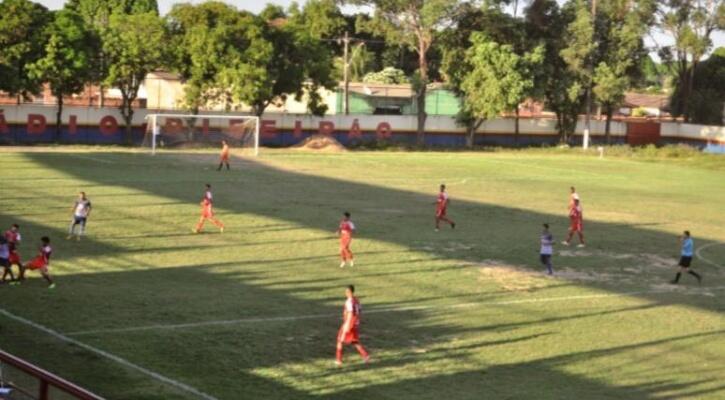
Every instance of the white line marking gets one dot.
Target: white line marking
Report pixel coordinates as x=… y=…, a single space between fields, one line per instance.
x=119 y=360
x=367 y=311
x=702 y=258
x=100 y=160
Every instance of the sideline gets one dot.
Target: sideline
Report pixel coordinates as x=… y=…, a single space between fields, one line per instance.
x=176 y=384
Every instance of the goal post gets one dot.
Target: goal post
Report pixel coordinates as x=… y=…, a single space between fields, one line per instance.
x=189 y=130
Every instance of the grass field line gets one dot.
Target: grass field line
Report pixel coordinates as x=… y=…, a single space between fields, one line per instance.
x=703 y=258
x=161 y=378
x=100 y=160
x=373 y=311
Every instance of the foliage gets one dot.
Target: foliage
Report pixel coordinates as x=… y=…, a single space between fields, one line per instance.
x=707 y=100
x=414 y=24
x=97 y=16
x=22 y=38
x=211 y=43
x=66 y=62
x=231 y=57
x=389 y=75
x=499 y=79
x=556 y=80
x=690 y=24
x=134 y=45
x=621 y=51
x=639 y=112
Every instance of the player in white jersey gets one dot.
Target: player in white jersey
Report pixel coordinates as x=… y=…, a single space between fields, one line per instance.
x=81 y=211
x=547 y=243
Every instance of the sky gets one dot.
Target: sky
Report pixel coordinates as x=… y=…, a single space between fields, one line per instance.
x=655 y=38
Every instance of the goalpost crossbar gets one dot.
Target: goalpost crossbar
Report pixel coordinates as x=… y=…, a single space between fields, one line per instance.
x=155 y=127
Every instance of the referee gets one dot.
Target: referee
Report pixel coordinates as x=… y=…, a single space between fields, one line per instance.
x=686 y=259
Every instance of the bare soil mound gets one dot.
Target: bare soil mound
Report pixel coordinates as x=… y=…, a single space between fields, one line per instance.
x=320 y=143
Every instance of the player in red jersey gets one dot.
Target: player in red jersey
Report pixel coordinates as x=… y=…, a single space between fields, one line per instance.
x=40 y=263
x=441 y=207
x=207 y=212
x=573 y=195
x=13 y=238
x=345 y=231
x=224 y=157
x=349 y=332
x=576 y=218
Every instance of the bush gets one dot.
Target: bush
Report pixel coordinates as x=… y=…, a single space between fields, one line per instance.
x=639 y=112
x=388 y=76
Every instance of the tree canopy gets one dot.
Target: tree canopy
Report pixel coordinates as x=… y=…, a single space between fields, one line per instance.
x=229 y=58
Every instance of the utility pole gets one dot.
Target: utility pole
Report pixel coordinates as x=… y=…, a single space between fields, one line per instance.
x=588 y=118
x=346 y=73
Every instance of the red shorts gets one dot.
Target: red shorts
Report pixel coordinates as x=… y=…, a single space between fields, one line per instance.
x=576 y=225
x=224 y=157
x=37 y=263
x=351 y=337
x=441 y=212
x=345 y=242
x=14 y=258
x=207 y=213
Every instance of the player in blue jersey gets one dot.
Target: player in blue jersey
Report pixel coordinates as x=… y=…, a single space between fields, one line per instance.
x=686 y=258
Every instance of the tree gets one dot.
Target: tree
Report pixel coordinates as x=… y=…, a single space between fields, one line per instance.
x=134 y=45
x=620 y=28
x=690 y=23
x=707 y=100
x=22 y=35
x=203 y=38
x=579 y=56
x=499 y=27
x=66 y=62
x=414 y=24
x=499 y=79
x=547 y=22
x=96 y=15
x=299 y=63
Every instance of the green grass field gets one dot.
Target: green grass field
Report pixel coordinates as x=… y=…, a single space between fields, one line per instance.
x=144 y=309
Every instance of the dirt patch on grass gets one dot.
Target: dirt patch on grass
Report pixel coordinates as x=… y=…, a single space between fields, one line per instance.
x=649 y=271
x=322 y=143
x=511 y=277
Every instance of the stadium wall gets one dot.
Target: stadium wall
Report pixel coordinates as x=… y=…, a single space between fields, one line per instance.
x=26 y=124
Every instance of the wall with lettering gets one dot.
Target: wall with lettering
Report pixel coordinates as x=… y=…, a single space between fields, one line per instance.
x=36 y=124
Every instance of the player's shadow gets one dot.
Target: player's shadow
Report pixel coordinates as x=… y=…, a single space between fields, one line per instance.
x=486 y=231
x=191 y=293
x=543 y=378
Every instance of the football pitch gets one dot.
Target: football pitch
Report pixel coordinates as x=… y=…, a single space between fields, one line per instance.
x=145 y=309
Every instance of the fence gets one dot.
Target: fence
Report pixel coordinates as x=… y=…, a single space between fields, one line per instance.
x=20 y=380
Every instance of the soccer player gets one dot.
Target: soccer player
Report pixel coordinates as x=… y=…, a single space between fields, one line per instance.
x=576 y=217
x=13 y=237
x=81 y=210
x=441 y=207
x=224 y=157
x=207 y=212
x=547 y=243
x=573 y=195
x=40 y=263
x=686 y=258
x=345 y=231
x=5 y=259
x=349 y=332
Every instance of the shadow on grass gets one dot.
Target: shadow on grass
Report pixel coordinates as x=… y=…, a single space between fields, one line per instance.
x=192 y=294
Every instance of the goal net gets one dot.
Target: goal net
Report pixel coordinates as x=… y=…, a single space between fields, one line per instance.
x=184 y=131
